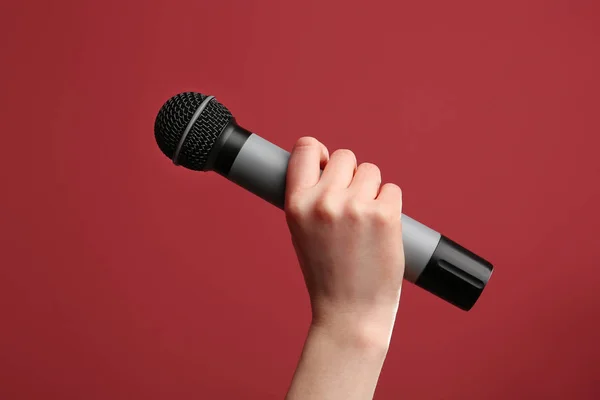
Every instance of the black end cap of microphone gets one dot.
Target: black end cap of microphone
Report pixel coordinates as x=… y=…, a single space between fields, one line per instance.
x=455 y=274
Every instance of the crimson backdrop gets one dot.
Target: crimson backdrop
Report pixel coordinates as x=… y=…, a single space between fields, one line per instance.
x=123 y=277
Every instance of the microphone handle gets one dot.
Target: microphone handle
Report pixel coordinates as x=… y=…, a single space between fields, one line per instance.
x=432 y=261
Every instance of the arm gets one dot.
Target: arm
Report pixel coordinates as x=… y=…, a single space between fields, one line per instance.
x=340 y=360
x=345 y=229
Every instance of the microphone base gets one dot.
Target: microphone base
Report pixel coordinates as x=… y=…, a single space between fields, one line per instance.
x=455 y=274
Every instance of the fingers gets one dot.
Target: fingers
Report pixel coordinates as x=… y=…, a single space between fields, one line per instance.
x=390 y=197
x=366 y=182
x=304 y=166
x=339 y=171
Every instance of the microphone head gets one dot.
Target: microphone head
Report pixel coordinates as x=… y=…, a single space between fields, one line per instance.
x=173 y=120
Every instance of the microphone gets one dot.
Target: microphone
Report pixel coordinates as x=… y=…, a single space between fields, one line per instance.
x=199 y=133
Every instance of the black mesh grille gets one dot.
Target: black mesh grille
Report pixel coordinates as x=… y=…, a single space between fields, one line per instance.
x=172 y=119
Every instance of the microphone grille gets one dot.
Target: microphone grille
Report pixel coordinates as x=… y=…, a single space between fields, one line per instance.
x=174 y=117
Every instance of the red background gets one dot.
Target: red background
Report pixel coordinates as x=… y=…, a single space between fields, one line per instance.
x=123 y=277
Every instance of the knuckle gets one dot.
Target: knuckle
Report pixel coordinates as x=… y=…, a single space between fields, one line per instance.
x=395 y=188
x=355 y=210
x=295 y=209
x=370 y=168
x=325 y=208
x=345 y=153
x=386 y=216
x=382 y=216
x=307 y=141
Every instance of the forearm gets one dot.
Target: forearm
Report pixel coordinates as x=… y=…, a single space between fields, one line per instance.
x=340 y=360
x=347 y=232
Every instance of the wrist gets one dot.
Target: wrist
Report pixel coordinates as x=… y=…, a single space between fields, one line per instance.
x=341 y=359
x=367 y=331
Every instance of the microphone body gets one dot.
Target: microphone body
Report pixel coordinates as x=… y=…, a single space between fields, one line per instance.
x=433 y=262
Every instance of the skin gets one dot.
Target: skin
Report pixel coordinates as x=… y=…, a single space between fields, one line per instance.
x=346 y=230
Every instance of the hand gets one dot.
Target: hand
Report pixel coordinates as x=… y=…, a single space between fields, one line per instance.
x=346 y=230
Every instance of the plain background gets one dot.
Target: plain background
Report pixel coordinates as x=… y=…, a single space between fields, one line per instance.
x=123 y=277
